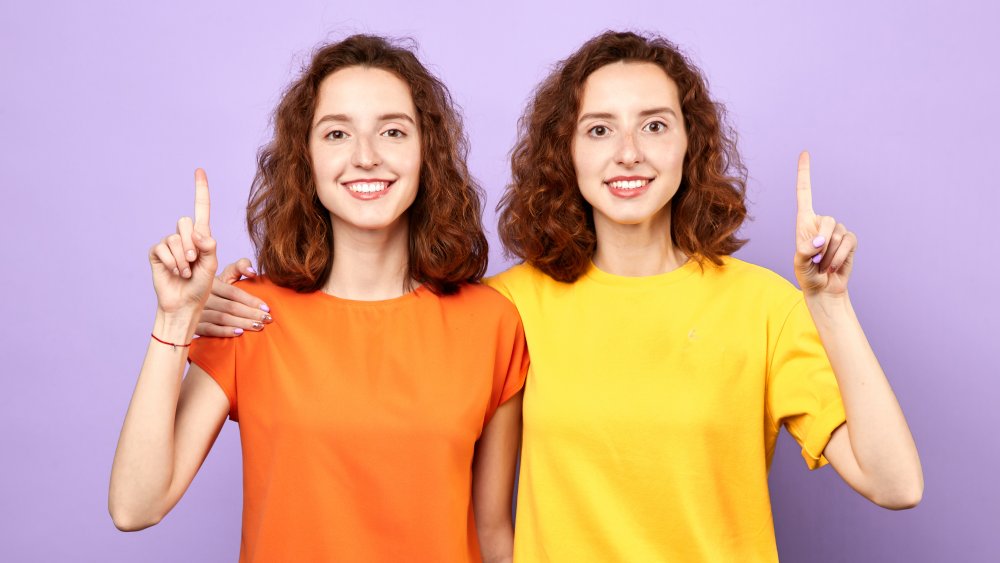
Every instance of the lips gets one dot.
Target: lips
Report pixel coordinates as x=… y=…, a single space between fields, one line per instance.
x=366 y=190
x=627 y=187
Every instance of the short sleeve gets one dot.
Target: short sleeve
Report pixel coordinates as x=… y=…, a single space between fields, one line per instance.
x=510 y=366
x=217 y=356
x=802 y=392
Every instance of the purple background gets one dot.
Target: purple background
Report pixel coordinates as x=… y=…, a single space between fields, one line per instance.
x=107 y=107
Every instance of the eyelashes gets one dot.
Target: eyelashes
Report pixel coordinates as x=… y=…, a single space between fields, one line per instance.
x=340 y=135
x=654 y=127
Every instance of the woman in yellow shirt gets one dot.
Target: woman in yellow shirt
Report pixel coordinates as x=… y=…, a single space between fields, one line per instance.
x=662 y=368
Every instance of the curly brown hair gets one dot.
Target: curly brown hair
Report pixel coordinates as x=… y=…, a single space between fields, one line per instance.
x=544 y=219
x=291 y=229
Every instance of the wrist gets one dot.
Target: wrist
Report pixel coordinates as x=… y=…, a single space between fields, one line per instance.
x=175 y=327
x=829 y=307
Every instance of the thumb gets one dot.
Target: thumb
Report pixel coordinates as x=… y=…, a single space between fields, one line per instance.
x=245 y=267
x=204 y=244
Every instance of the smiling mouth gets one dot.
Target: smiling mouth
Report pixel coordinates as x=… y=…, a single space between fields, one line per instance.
x=368 y=189
x=628 y=187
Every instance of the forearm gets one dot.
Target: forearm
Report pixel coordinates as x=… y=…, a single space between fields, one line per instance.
x=493 y=482
x=880 y=439
x=496 y=543
x=143 y=467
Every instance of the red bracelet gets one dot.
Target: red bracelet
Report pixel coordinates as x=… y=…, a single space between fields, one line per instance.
x=169 y=343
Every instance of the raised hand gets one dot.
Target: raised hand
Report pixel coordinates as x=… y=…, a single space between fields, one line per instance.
x=184 y=263
x=824 y=248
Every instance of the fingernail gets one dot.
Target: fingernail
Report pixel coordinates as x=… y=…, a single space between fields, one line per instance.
x=818 y=242
x=265 y=308
x=191 y=255
x=177 y=272
x=257 y=325
x=187 y=272
x=817 y=258
x=237 y=331
x=267 y=318
x=251 y=270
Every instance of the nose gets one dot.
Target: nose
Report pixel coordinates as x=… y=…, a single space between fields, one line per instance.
x=365 y=154
x=629 y=153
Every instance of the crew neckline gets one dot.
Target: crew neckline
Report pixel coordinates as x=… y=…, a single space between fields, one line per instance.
x=392 y=301
x=682 y=272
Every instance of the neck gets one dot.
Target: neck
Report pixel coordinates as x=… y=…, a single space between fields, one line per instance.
x=370 y=265
x=644 y=249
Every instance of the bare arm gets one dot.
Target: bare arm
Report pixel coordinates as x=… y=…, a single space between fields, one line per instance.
x=874 y=451
x=493 y=481
x=170 y=425
x=169 y=428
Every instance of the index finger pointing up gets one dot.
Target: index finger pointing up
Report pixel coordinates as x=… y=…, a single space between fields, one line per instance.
x=201 y=201
x=804 y=186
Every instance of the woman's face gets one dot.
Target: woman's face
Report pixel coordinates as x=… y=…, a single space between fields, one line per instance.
x=629 y=144
x=365 y=148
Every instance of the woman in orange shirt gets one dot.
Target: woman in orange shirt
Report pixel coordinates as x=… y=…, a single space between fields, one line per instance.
x=385 y=397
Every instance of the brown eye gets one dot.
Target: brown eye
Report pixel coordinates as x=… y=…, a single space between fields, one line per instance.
x=336 y=135
x=656 y=127
x=394 y=134
x=598 y=131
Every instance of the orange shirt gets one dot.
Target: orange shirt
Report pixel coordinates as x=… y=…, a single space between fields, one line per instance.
x=359 y=420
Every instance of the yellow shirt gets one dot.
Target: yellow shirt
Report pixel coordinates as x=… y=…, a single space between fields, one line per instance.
x=652 y=407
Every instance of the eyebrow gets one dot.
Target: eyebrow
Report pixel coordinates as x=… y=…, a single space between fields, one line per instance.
x=384 y=117
x=643 y=113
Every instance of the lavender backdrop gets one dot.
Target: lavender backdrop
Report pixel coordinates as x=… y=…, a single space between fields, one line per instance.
x=107 y=107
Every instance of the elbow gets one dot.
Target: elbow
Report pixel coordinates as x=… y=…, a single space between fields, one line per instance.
x=128 y=522
x=128 y=519
x=496 y=543
x=901 y=496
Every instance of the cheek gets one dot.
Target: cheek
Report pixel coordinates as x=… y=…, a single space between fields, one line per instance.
x=680 y=150
x=586 y=158
x=670 y=155
x=406 y=158
x=326 y=164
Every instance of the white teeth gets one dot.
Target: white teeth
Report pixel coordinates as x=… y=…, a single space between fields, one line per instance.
x=367 y=187
x=628 y=185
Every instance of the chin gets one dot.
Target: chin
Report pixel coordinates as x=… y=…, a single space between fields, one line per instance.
x=627 y=218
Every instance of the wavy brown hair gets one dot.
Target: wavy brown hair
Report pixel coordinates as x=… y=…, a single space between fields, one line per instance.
x=544 y=219
x=291 y=230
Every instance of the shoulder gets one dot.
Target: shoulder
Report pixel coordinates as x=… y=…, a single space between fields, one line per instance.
x=750 y=277
x=752 y=285
x=277 y=297
x=519 y=280
x=264 y=288
x=482 y=299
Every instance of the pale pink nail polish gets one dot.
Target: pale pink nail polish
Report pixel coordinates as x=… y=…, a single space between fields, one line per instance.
x=817 y=258
x=251 y=270
x=237 y=331
x=265 y=308
x=818 y=242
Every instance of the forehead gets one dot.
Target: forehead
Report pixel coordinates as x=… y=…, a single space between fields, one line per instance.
x=363 y=90
x=628 y=86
